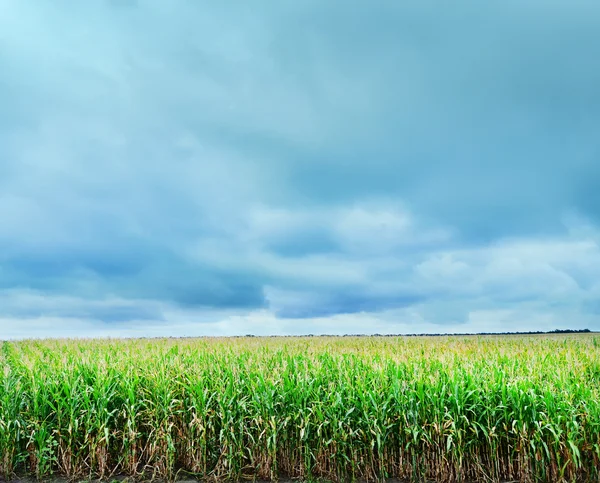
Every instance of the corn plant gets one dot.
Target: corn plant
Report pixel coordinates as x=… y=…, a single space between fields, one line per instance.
x=445 y=409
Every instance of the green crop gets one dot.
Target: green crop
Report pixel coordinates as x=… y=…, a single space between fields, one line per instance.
x=444 y=409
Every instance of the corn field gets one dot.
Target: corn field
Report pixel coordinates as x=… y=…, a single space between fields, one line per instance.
x=443 y=409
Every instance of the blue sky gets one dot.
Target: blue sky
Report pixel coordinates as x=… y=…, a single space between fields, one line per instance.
x=213 y=168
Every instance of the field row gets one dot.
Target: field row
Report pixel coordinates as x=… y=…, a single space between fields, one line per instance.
x=448 y=409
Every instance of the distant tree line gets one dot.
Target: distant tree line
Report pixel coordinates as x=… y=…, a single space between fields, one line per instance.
x=537 y=332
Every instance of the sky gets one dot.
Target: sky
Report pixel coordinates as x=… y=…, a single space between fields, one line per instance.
x=187 y=167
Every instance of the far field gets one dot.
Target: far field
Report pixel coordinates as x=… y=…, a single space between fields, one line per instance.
x=488 y=408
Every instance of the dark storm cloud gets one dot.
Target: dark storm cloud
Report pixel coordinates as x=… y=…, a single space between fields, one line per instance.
x=310 y=159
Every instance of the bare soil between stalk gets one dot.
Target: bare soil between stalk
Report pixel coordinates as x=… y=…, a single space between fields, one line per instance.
x=189 y=480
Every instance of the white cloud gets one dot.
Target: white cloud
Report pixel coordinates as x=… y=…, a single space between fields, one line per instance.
x=510 y=285
x=211 y=323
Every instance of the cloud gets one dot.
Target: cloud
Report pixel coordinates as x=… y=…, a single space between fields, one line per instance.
x=297 y=167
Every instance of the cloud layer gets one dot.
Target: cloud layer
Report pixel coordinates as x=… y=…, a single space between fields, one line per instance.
x=185 y=168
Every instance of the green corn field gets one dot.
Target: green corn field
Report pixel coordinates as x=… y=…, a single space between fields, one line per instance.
x=523 y=408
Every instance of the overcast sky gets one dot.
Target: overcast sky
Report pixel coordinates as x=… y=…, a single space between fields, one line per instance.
x=292 y=167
